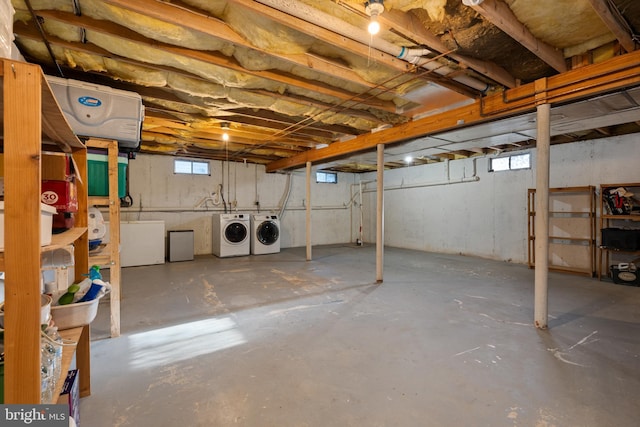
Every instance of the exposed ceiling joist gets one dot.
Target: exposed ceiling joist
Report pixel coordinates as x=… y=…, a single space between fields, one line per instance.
x=499 y=14
x=591 y=80
x=293 y=75
x=603 y=9
x=207 y=57
x=408 y=25
x=173 y=14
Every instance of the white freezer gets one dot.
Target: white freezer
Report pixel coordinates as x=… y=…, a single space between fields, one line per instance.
x=141 y=242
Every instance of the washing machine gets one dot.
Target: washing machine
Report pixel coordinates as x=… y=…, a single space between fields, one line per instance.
x=230 y=234
x=265 y=234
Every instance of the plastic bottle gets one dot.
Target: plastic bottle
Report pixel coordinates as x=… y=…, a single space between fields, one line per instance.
x=57 y=344
x=46 y=375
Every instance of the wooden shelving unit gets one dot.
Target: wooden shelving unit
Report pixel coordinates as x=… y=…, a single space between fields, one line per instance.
x=607 y=219
x=31 y=120
x=572 y=229
x=109 y=256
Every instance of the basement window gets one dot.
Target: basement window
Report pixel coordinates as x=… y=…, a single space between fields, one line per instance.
x=515 y=162
x=191 y=167
x=327 y=177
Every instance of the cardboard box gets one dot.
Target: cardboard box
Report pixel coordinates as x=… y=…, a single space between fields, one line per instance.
x=57 y=167
x=62 y=195
x=70 y=395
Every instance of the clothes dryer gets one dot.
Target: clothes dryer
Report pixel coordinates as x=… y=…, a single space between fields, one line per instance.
x=230 y=233
x=265 y=234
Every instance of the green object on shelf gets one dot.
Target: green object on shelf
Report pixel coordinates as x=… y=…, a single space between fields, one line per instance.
x=98 y=175
x=67 y=298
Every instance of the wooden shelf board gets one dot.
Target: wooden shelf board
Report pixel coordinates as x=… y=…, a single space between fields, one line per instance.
x=572 y=239
x=67 y=357
x=99 y=200
x=55 y=127
x=57 y=241
x=564 y=269
x=622 y=251
x=631 y=217
x=65 y=239
x=632 y=184
x=101 y=260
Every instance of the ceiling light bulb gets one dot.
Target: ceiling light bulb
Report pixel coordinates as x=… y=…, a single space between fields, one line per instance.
x=225 y=128
x=374 y=8
x=374 y=25
x=408 y=159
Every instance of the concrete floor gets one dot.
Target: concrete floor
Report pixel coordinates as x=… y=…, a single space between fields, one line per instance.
x=446 y=340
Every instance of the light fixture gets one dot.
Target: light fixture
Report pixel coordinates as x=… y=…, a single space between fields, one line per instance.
x=225 y=126
x=373 y=8
x=408 y=160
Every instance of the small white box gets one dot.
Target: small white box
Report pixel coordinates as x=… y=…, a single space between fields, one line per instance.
x=46 y=224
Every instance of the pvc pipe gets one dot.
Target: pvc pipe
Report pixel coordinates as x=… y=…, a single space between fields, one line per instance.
x=361 y=212
x=308 y=218
x=448 y=181
x=331 y=23
x=240 y=209
x=542 y=216
x=428 y=184
x=285 y=202
x=380 y=215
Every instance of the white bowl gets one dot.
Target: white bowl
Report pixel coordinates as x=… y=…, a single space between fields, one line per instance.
x=76 y=314
x=45 y=310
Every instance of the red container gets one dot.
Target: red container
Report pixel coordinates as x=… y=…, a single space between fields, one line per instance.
x=63 y=221
x=62 y=195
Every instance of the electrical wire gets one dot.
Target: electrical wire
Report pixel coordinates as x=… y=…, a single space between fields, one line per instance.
x=356 y=99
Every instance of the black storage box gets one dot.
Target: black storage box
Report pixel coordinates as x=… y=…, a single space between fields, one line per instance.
x=621 y=239
x=625 y=276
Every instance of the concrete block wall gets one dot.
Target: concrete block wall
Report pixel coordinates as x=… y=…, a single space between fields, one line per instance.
x=453 y=207
x=188 y=201
x=443 y=208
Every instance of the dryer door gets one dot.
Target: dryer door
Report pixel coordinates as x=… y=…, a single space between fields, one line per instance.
x=267 y=232
x=235 y=232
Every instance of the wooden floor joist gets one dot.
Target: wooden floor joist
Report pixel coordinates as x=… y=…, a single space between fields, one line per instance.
x=615 y=74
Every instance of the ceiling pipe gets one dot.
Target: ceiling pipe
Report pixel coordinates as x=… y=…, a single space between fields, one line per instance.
x=331 y=23
x=36 y=20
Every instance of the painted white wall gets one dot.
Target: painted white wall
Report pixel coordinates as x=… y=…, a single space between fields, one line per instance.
x=186 y=202
x=487 y=217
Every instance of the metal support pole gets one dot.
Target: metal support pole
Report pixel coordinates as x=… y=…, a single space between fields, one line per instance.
x=380 y=215
x=542 y=216
x=308 y=219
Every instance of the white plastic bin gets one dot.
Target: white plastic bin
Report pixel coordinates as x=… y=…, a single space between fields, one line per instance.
x=46 y=223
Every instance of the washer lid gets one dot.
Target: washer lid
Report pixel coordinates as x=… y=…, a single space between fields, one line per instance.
x=267 y=232
x=235 y=232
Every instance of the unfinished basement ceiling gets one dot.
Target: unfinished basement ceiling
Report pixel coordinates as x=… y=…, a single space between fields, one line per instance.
x=295 y=76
